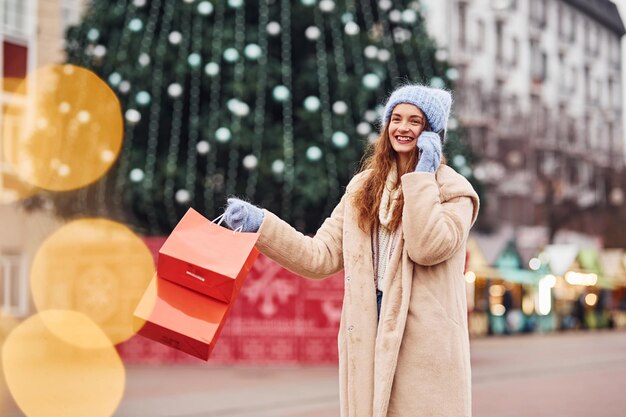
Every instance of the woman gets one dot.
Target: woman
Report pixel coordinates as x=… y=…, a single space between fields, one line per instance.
x=403 y=339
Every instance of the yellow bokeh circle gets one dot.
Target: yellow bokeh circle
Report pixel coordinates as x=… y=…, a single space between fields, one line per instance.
x=49 y=377
x=94 y=266
x=70 y=128
x=7 y=324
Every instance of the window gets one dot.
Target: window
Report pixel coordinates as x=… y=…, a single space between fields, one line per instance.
x=539 y=62
x=572 y=27
x=13 y=284
x=15 y=17
x=462 y=25
x=70 y=13
x=538 y=12
x=514 y=51
x=499 y=40
x=480 y=35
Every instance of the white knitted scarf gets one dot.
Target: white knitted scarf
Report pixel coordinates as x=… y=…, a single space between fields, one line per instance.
x=384 y=241
x=390 y=197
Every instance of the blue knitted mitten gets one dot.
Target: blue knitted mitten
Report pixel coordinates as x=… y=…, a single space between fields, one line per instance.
x=429 y=144
x=242 y=214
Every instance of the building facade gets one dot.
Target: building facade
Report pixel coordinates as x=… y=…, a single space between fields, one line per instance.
x=31 y=36
x=540 y=97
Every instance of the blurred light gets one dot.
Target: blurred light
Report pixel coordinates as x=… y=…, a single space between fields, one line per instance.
x=105 y=282
x=470 y=276
x=250 y=162
x=528 y=306
x=578 y=278
x=544 y=296
x=278 y=166
x=550 y=280
x=498 y=310
x=64 y=105
x=50 y=374
x=534 y=264
x=591 y=299
x=496 y=290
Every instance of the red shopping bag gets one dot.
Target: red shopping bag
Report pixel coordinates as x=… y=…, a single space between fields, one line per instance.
x=180 y=318
x=207 y=257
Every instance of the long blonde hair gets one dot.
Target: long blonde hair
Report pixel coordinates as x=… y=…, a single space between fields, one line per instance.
x=380 y=157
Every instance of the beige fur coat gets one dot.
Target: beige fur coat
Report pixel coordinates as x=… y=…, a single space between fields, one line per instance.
x=415 y=362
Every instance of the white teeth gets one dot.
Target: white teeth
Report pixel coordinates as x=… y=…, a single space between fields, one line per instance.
x=403 y=139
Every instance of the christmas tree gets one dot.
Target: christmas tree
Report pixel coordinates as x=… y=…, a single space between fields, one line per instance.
x=270 y=100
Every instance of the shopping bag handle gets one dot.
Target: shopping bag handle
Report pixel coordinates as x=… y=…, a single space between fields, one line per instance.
x=221 y=219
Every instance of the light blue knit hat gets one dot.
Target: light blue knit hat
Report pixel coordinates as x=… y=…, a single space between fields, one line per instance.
x=434 y=102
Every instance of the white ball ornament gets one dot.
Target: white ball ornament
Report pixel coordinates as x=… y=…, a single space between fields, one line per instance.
x=327 y=6
x=83 y=116
x=347 y=17
x=139 y=3
x=312 y=103
x=452 y=74
x=383 y=55
x=143 y=98
x=273 y=28
x=340 y=107
x=370 y=116
x=124 y=87
x=144 y=59
x=437 y=82
x=372 y=138
x=93 y=34
x=313 y=153
x=453 y=123
x=174 y=90
x=459 y=160
x=395 y=15
x=136 y=175
x=252 y=51
x=250 y=162
x=115 y=79
x=64 y=107
x=340 y=139
x=175 y=37
x=441 y=55
x=235 y=4
x=205 y=8
x=223 y=134
x=409 y=16
x=370 y=52
x=99 y=51
x=385 y=4
x=364 y=128
x=278 y=166
x=312 y=33
x=307 y=2
x=132 y=116
x=371 y=81
x=194 y=59
x=281 y=93
x=182 y=196
x=231 y=55
x=211 y=69
x=135 y=25
x=203 y=147
x=238 y=107
x=352 y=29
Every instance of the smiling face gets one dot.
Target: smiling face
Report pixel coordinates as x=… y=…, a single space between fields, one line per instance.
x=405 y=125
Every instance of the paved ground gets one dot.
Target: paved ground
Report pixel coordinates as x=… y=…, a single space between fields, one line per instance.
x=559 y=375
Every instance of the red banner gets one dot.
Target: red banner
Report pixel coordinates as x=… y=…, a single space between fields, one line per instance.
x=279 y=317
